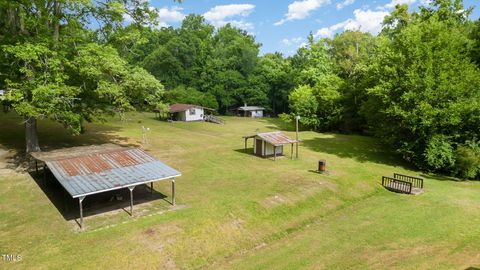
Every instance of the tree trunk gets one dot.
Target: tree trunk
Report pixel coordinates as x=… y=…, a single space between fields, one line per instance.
x=31 y=136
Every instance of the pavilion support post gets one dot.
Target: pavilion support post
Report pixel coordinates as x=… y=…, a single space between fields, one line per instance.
x=80 y=200
x=275 y=152
x=151 y=187
x=36 y=167
x=131 y=199
x=173 y=191
x=65 y=202
x=245 y=143
x=45 y=173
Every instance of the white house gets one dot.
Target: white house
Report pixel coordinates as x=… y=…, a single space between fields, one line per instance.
x=270 y=144
x=250 y=111
x=187 y=112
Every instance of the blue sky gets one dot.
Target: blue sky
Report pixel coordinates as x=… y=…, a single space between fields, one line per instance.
x=283 y=25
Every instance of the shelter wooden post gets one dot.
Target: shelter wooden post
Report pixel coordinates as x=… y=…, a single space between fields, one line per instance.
x=246 y=143
x=173 y=191
x=151 y=187
x=36 y=167
x=131 y=188
x=291 y=151
x=274 y=152
x=80 y=200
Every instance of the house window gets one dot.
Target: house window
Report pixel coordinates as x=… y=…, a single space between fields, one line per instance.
x=192 y=111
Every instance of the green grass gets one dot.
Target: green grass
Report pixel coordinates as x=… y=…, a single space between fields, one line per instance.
x=244 y=212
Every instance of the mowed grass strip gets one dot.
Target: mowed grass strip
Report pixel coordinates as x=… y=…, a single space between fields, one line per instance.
x=243 y=211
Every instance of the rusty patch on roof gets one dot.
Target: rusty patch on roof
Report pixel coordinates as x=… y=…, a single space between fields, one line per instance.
x=276 y=138
x=99 y=162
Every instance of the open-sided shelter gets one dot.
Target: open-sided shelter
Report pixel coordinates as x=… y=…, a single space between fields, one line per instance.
x=270 y=144
x=88 y=170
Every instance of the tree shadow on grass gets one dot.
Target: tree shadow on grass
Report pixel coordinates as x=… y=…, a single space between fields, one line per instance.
x=96 y=204
x=440 y=177
x=359 y=148
x=51 y=136
x=278 y=124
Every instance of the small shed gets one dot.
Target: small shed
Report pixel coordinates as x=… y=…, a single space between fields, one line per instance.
x=188 y=112
x=270 y=144
x=250 y=111
x=87 y=170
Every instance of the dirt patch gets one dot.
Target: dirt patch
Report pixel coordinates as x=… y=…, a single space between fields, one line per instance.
x=7 y=162
x=274 y=201
x=149 y=232
x=156 y=239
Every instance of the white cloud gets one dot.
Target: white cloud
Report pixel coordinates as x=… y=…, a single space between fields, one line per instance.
x=425 y=2
x=345 y=3
x=221 y=15
x=364 y=20
x=167 y=16
x=393 y=3
x=299 y=10
x=328 y=32
x=292 y=41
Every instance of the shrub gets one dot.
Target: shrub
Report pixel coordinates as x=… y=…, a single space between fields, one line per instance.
x=439 y=153
x=468 y=160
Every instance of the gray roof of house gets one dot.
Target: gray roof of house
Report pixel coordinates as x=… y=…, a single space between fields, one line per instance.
x=250 y=108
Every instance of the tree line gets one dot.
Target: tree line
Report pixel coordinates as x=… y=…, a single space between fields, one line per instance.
x=415 y=86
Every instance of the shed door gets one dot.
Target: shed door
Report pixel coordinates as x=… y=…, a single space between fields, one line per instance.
x=258 y=147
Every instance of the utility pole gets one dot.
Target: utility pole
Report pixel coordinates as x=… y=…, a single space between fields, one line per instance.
x=296 y=128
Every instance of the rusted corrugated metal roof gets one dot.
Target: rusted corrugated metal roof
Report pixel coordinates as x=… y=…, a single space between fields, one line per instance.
x=276 y=138
x=99 y=172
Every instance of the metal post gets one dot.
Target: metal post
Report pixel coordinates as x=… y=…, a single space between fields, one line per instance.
x=45 y=173
x=80 y=200
x=296 y=133
x=131 y=199
x=173 y=191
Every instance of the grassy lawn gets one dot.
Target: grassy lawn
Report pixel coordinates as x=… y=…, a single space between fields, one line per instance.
x=238 y=211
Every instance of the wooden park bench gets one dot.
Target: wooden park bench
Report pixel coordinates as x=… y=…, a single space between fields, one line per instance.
x=403 y=184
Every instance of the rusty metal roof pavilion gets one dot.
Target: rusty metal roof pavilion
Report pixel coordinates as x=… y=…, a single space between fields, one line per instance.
x=99 y=171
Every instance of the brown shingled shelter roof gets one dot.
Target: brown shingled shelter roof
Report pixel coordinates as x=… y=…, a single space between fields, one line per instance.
x=275 y=138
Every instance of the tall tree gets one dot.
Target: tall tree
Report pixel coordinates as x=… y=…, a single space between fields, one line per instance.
x=50 y=49
x=352 y=52
x=426 y=97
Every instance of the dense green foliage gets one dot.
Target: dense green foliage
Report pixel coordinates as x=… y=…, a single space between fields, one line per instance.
x=222 y=63
x=55 y=66
x=425 y=94
x=416 y=85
